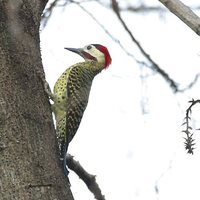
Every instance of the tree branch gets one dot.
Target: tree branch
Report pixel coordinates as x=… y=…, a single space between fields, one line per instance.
x=184 y=13
x=88 y=179
x=155 y=66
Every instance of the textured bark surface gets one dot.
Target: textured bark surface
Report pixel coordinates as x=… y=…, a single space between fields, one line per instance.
x=29 y=164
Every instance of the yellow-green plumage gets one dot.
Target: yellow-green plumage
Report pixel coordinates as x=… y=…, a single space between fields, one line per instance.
x=71 y=93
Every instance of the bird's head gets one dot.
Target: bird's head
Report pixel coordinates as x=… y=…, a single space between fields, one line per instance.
x=94 y=52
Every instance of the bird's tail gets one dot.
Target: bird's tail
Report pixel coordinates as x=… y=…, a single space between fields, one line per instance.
x=64 y=148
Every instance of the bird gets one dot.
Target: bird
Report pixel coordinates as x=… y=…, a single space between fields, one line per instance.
x=71 y=93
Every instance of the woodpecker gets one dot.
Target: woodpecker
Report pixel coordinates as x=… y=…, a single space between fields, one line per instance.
x=71 y=93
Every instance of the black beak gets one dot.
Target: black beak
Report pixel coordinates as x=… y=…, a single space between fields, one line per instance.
x=78 y=51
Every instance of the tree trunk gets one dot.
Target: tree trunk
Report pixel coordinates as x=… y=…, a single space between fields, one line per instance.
x=29 y=161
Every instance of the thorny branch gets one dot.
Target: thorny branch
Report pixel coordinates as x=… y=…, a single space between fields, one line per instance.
x=89 y=180
x=189 y=141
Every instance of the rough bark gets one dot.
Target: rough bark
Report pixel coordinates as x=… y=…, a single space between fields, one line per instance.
x=29 y=164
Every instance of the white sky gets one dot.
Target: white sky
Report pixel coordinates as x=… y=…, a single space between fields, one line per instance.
x=131 y=152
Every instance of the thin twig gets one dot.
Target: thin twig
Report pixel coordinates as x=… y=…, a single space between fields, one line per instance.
x=190 y=85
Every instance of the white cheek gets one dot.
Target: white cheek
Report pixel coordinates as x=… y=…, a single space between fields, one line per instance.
x=98 y=54
x=101 y=59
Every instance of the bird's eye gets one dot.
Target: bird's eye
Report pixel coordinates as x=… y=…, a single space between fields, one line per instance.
x=89 y=47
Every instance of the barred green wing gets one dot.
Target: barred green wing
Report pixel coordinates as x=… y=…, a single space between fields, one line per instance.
x=78 y=89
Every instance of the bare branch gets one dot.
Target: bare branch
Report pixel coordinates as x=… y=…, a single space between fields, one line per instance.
x=47 y=13
x=155 y=66
x=184 y=13
x=88 y=179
